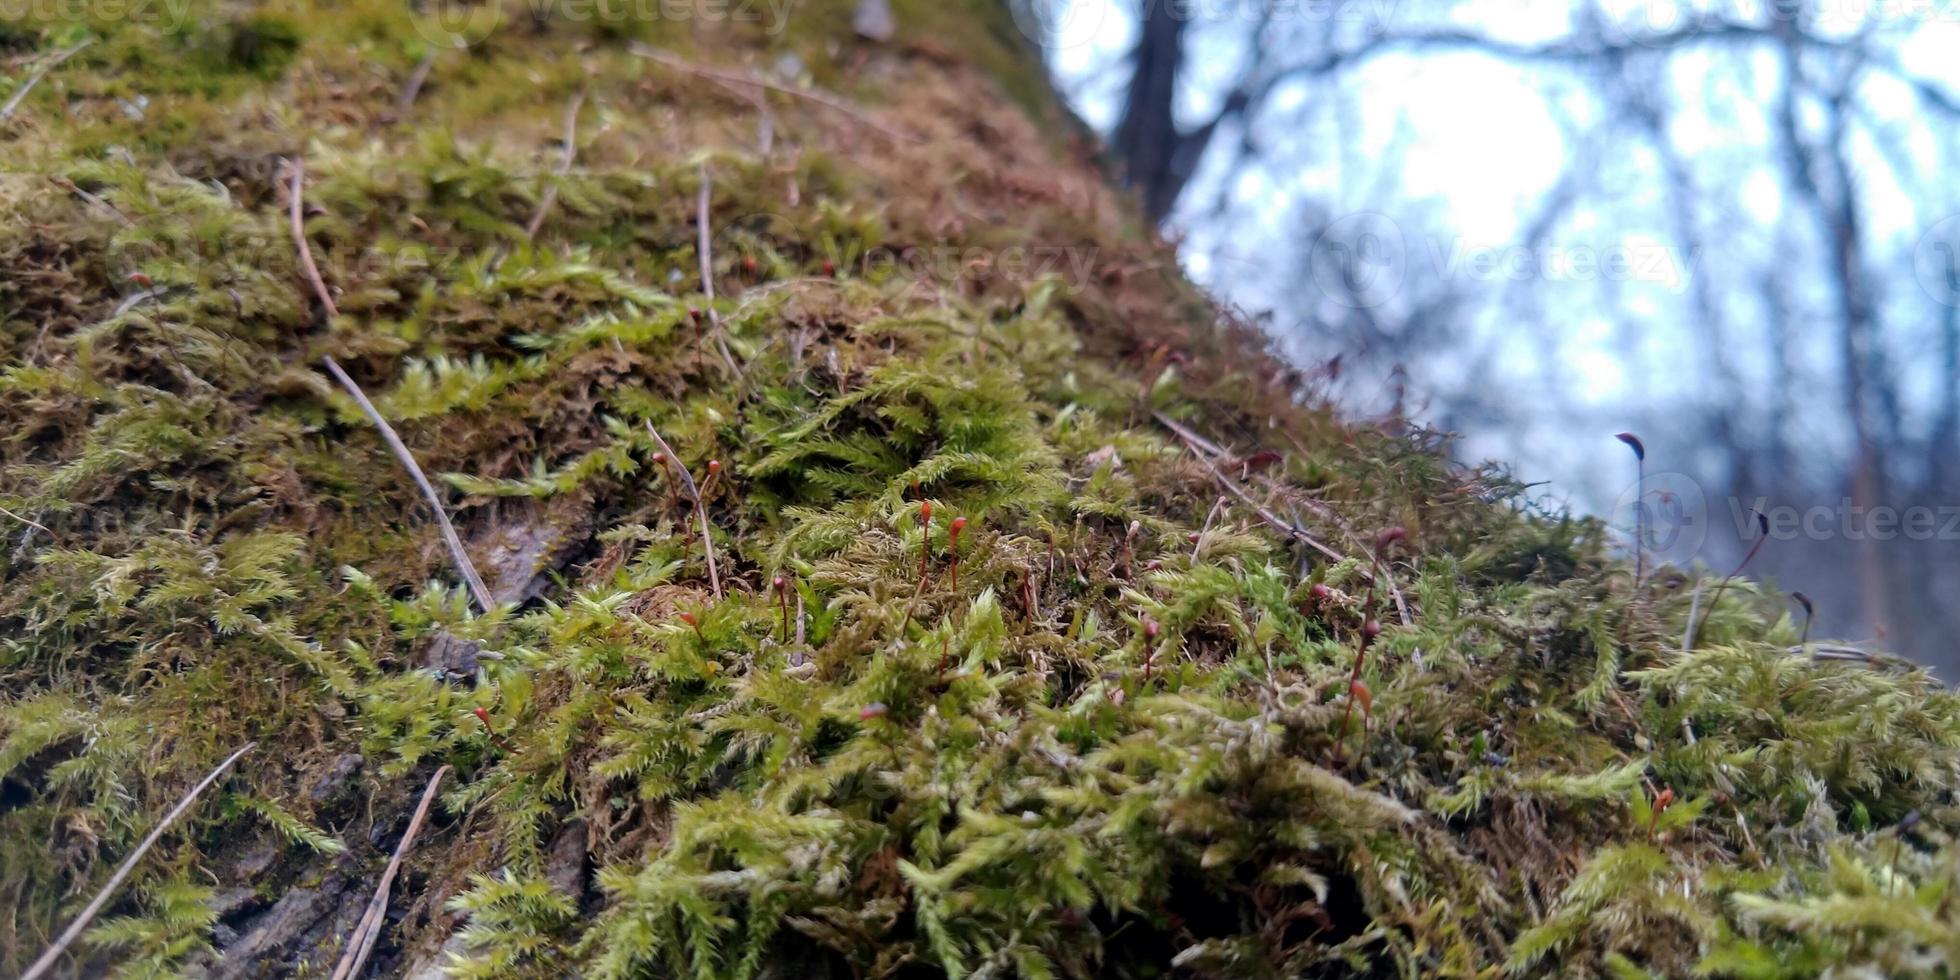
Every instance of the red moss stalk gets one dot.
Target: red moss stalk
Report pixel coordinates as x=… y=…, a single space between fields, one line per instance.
x=484 y=717
x=1369 y=630
x=953 y=546
x=1661 y=803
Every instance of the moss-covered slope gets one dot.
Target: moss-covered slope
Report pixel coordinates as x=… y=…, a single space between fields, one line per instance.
x=1054 y=627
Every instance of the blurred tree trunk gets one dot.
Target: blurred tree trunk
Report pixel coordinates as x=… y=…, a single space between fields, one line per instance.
x=1146 y=139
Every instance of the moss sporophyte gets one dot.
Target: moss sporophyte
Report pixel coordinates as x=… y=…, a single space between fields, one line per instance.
x=736 y=728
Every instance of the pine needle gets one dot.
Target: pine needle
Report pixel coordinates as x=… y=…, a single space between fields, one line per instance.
x=361 y=943
x=413 y=87
x=704 y=248
x=296 y=205
x=449 y=537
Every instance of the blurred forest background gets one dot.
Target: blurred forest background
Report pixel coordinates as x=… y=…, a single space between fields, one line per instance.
x=1728 y=227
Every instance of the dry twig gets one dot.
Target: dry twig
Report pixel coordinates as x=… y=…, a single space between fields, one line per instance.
x=1203 y=449
x=1198 y=544
x=449 y=536
x=37 y=525
x=1292 y=494
x=74 y=930
x=54 y=61
x=361 y=942
x=1694 y=612
x=296 y=205
x=1193 y=443
x=70 y=187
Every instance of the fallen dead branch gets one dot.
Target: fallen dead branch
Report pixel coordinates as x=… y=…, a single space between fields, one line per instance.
x=75 y=928
x=54 y=61
x=700 y=509
x=296 y=208
x=550 y=196
x=813 y=96
x=361 y=942
x=463 y=564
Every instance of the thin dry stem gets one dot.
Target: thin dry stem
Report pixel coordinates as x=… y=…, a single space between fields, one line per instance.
x=1210 y=516
x=296 y=209
x=704 y=248
x=1694 y=625
x=700 y=509
x=463 y=564
x=361 y=942
x=1694 y=610
x=799 y=618
x=550 y=195
x=1279 y=523
x=413 y=87
x=1204 y=449
x=54 y=61
x=1319 y=509
x=43 y=528
x=75 y=928
x=70 y=187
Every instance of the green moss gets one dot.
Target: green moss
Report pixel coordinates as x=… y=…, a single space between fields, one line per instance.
x=1130 y=738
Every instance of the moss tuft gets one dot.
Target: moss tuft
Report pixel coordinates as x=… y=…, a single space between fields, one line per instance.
x=1133 y=734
